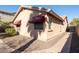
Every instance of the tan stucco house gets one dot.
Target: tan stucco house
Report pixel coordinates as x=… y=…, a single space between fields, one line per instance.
x=6 y=16
x=39 y=23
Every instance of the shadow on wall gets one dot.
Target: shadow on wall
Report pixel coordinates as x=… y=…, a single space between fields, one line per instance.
x=50 y=22
x=34 y=32
x=53 y=20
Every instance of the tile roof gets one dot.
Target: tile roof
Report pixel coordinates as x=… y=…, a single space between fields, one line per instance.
x=7 y=12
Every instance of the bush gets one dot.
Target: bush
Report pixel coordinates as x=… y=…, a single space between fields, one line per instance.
x=2 y=29
x=4 y=25
x=10 y=31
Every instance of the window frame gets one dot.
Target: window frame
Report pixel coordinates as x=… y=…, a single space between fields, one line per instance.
x=36 y=26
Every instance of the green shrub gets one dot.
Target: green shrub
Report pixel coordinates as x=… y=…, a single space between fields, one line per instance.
x=7 y=28
x=10 y=31
x=4 y=24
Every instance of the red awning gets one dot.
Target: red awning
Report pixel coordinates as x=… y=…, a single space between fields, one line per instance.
x=37 y=19
x=17 y=23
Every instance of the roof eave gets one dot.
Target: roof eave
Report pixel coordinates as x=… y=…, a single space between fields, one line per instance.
x=30 y=8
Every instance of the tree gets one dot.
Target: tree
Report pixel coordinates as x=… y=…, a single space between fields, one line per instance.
x=75 y=22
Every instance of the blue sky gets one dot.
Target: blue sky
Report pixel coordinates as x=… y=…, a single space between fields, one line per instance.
x=70 y=11
x=12 y=8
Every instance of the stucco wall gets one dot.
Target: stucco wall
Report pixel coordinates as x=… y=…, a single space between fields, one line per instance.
x=57 y=27
x=27 y=29
x=64 y=25
x=6 y=17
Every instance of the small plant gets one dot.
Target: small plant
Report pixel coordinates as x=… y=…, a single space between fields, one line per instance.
x=10 y=31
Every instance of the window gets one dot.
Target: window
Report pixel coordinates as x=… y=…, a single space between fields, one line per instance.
x=38 y=22
x=38 y=26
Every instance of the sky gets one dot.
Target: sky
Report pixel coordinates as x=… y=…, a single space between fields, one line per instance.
x=71 y=11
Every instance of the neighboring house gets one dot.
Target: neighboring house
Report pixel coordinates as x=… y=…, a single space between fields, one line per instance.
x=6 y=16
x=39 y=23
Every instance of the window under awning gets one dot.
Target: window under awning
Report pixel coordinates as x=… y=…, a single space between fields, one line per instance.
x=38 y=19
x=17 y=23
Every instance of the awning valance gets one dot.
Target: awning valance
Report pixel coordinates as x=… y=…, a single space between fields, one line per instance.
x=17 y=23
x=37 y=19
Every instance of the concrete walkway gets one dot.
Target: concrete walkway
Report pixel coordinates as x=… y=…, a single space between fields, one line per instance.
x=4 y=48
x=59 y=43
x=12 y=44
x=18 y=44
